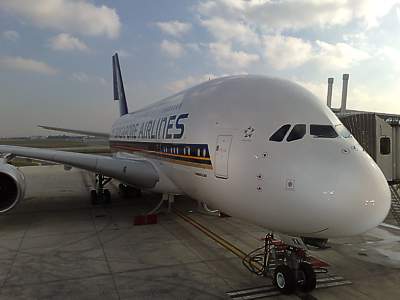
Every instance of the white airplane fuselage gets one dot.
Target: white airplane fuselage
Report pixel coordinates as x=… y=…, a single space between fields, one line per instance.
x=212 y=143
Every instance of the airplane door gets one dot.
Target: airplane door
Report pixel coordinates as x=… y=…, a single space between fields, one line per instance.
x=222 y=155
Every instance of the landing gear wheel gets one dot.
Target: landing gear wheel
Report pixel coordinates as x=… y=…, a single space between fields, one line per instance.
x=307 y=278
x=93 y=197
x=123 y=190
x=100 y=194
x=284 y=279
x=107 y=196
x=138 y=193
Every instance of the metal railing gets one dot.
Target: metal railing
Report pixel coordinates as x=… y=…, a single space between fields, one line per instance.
x=395 y=206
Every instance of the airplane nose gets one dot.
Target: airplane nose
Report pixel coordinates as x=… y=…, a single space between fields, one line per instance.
x=361 y=200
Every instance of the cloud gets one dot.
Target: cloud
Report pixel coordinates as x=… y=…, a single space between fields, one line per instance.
x=179 y=85
x=286 y=52
x=123 y=53
x=360 y=97
x=390 y=55
x=174 y=28
x=10 y=35
x=66 y=42
x=229 y=59
x=85 y=78
x=296 y=15
x=398 y=13
x=26 y=65
x=194 y=47
x=80 y=76
x=224 y=30
x=78 y=16
x=172 y=49
x=259 y=24
x=339 y=55
x=319 y=89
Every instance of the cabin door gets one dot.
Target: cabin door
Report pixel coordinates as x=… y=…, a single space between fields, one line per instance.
x=222 y=155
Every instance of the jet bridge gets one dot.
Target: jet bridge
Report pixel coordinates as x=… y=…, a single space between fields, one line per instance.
x=379 y=135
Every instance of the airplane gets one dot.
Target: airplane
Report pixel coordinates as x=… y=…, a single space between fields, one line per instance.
x=262 y=149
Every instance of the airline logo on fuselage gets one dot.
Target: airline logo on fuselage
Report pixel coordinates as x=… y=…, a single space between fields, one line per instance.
x=168 y=127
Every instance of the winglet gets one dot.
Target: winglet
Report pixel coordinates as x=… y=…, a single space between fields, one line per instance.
x=119 y=92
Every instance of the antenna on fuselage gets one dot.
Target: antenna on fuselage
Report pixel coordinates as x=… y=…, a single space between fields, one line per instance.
x=119 y=91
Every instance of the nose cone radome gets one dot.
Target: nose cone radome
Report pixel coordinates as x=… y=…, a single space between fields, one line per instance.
x=362 y=199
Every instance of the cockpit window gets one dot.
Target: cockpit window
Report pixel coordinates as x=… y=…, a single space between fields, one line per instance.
x=342 y=131
x=297 y=132
x=323 y=131
x=279 y=135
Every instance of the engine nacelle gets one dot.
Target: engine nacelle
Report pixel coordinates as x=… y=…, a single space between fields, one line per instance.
x=12 y=187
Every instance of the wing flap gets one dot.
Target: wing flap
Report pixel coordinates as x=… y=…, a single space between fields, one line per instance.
x=135 y=172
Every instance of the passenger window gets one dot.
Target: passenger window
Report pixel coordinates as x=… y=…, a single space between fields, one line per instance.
x=297 y=132
x=385 y=145
x=279 y=135
x=323 y=131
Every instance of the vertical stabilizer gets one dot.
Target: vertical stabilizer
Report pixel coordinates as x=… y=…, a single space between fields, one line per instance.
x=119 y=92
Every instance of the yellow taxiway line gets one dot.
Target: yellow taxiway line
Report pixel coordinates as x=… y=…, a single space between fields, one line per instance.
x=221 y=241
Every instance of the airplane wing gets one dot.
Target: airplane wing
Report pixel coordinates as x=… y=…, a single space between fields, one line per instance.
x=140 y=173
x=81 y=132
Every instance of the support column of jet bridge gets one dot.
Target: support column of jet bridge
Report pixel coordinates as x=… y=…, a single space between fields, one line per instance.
x=344 y=93
x=329 y=96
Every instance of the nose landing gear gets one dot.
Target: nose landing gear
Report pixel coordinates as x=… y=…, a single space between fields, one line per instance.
x=288 y=264
x=284 y=279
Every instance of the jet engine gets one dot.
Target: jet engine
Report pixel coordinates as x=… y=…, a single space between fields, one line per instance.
x=12 y=187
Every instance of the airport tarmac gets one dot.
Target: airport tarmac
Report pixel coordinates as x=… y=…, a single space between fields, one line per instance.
x=56 y=245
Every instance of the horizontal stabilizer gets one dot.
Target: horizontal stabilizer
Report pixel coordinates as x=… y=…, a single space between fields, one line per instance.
x=77 y=131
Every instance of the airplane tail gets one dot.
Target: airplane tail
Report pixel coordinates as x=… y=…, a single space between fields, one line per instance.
x=119 y=92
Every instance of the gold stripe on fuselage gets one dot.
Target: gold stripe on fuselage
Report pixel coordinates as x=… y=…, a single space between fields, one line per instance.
x=157 y=155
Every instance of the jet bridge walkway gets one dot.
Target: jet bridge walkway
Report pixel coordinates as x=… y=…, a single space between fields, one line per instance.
x=395 y=206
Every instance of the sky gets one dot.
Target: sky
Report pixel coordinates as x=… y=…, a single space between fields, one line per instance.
x=55 y=55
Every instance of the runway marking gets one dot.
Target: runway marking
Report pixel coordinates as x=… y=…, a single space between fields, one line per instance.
x=221 y=241
x=86 y=178
x=270 y=290
x=18 y=250
x=262 y=291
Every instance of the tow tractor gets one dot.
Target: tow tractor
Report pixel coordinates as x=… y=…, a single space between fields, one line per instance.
x=285 y=260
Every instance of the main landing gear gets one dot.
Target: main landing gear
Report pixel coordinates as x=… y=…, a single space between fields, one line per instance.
x=288 y=265
x=100 y=194
x=126 y=190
